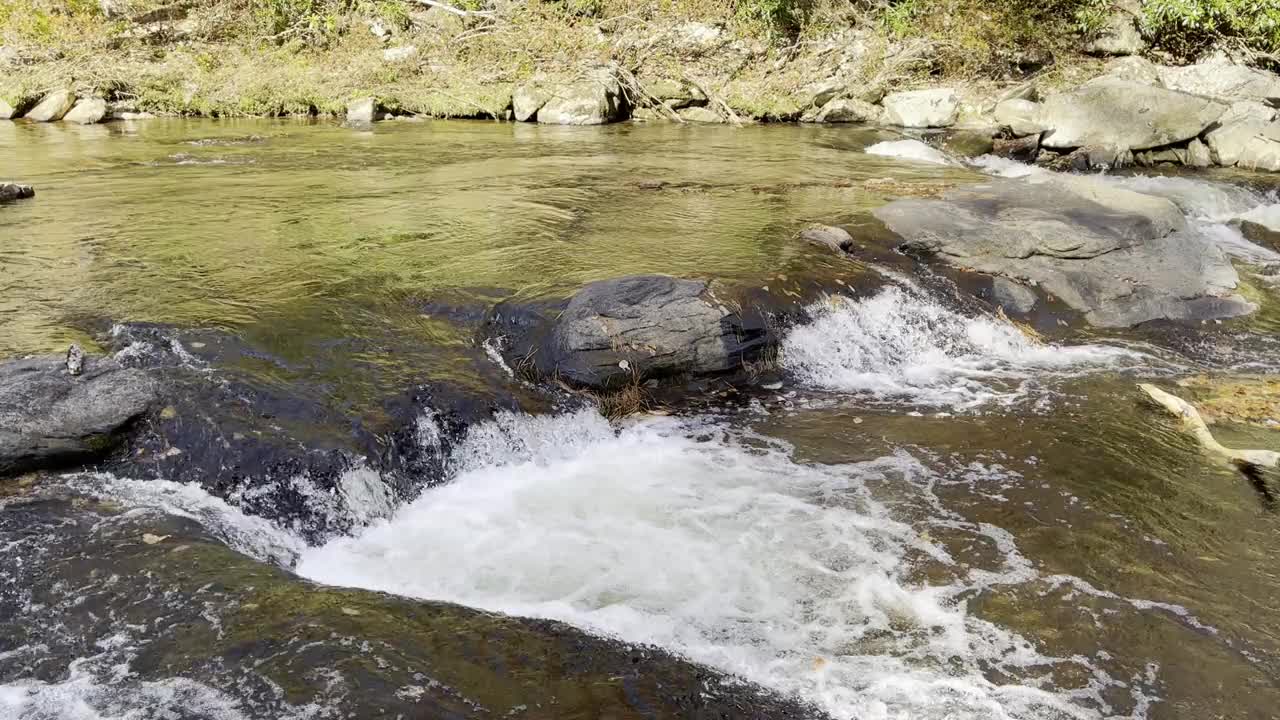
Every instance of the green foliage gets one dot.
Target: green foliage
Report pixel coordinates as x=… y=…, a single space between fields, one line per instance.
x=777 y=17
x=1189 y=27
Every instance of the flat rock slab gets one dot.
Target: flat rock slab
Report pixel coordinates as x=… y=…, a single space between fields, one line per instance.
x=49 y=417
x=641 y=327
x=1115 y=113
x=1118 y=257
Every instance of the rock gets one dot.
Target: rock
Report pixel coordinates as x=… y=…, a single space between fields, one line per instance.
x=1013 y=297
x=844 y=110
x=1135 y=69
x=1021 y=149
x=1242 y=122
x=399 y=54
x=1022 y=91
x=815 y=95
x=52 y=107
x=637 y=328
x=362 y=111
x=527 y=100
x=7 y=111
x=1120 y=35
x=1022 y=117
x=968 y=143
x=834 y=238
x=645 y=114
x=1198 y=155
x=922 y=108
x=87 y=111
x=695 y=38
x=50 y=418
x=1223 y=80
x=1125 y=115
x=700 y=115
x=14 y=191
x=1262 y=151
x=1117 y=256
x=595 y=99
x=675 y=94
x=438 y=21
x=75 y=360
x=1259 y=233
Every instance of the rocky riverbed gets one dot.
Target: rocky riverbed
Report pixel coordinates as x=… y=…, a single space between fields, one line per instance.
x=660 y=420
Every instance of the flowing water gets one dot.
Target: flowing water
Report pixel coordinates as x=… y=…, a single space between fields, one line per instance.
x=933 y=515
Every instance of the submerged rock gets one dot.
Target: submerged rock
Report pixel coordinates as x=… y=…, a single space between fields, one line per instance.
x=935 y=108
x=87 y=111
x=52 y=107
x=14 y=191
x=1125 y=115
x=1117 y=256
x=636 y=328
x=49 y=417
x=834 y=238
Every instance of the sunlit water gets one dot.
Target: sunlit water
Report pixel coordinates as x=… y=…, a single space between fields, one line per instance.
x=936 y=516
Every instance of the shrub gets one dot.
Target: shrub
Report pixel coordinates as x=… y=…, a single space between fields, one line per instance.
x=1189 y=27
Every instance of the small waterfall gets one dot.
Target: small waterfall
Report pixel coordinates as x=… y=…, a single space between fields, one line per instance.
x=901 y=345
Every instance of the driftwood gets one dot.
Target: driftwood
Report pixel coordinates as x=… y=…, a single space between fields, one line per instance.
x=1195 y=425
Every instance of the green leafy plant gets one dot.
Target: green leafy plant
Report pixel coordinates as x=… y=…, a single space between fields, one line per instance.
x=1190 y=27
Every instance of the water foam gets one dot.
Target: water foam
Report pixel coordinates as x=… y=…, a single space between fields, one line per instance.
x=899 y=344
x=674 y=533
x=910 y=150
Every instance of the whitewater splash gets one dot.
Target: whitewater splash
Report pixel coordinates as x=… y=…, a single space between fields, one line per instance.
x=901 y=345
x=676 y=533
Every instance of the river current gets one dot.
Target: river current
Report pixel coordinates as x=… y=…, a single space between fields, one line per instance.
x=935 y=513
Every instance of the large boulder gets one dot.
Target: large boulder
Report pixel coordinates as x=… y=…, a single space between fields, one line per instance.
x=1223 y=80
x=1109 y=112
x=1022 y=117
x=1262 y=151
x=1117 y=256
x=1242 y=122
x=14 y=191
x=1119 y=34
x=637 y=328
x=7 y=111
x=50 y=417
x=361 y=111
x=843 y=110
x=594 y=99
x=922 y=108
x=52 y=107
x=87 y=111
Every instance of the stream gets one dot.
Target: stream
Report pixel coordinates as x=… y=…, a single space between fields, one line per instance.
x=933 y=513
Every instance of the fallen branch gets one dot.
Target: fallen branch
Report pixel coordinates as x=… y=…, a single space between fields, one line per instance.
x=1195 y=425
x=455 y=10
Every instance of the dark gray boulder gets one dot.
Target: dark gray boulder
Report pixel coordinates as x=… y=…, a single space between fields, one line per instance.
x=1117 y=256
x=49 y=417
x=13 y=191
x=637 y=328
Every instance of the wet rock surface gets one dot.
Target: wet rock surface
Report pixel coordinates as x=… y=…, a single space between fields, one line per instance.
x=249 y=639
x=49 y=417
x=634 y=329
x=14 y=191
x=1118 y=257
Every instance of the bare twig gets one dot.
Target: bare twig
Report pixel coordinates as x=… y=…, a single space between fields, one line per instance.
x=455 y=10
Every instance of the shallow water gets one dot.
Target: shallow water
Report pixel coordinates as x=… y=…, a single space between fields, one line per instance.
x=935 y=516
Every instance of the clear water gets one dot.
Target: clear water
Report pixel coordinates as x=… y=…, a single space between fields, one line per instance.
x=937 y=516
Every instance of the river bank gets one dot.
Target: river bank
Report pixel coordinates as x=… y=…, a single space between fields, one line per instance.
x=544 y=63
x=876 y=468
